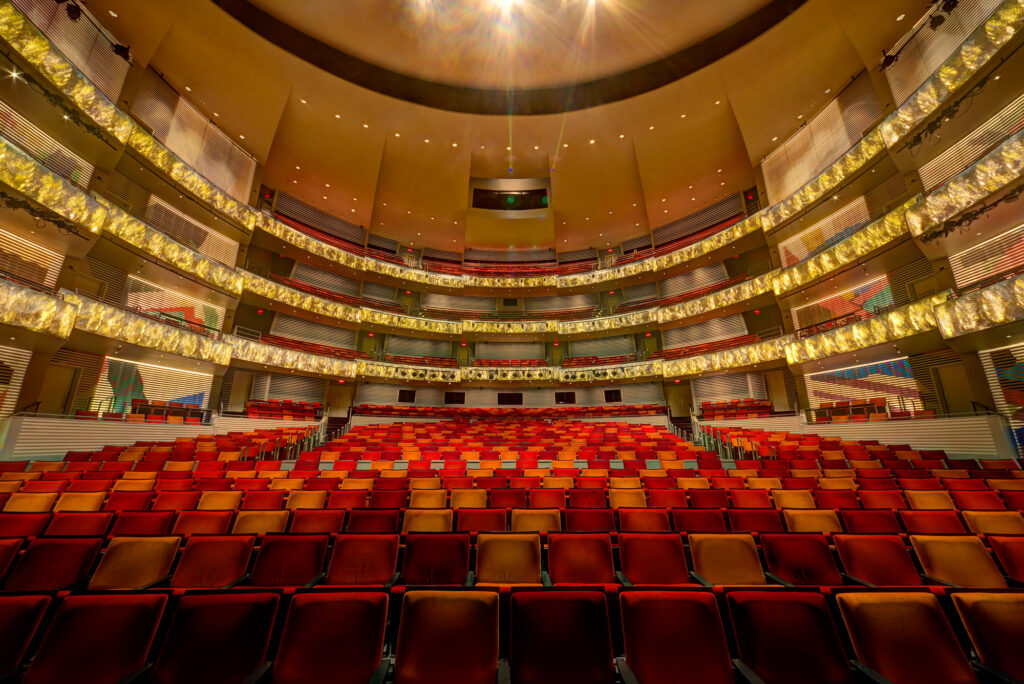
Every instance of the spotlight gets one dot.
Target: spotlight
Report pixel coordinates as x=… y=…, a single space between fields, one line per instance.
x=122 y=51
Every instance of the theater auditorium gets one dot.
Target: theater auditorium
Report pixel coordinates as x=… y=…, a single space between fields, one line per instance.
x=511 y=341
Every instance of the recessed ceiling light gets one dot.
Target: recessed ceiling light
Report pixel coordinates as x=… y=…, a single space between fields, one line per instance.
x=337 y=116
x=536 y=147
x=901 y=17
x=241 y=136
x=693 y=199
x=638 y=223
x=665 y=211
x=352 y=210
x=303 y=101
x=508 y=148
x=298 y=168
x=774 y=138
x=799 y=116
x=565 y=144
x=592 y=141
x=996 y=77
x=398 y=135
x=650 y=128
x=325 y=196
x=366 y=125
x=426 y=140
x=663 y=199
x=294 y=181
x=609 y=213
x=828 y=90
x=113 y=14
x=599 y=234
x=455 y=144
x=722 y=183
x=385 y=204
x=327 y=185
x=718 y=102
x=188 y=89
x=689 y=187
x=682 y=116
x=216 y=113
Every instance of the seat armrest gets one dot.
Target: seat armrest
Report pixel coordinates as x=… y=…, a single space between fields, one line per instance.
x=778 y=580
x=504 y=672
x=545 y=579
x=941 y=583
x=470 y=579
x=391 y=582
x=867 y=672
x=619 y=575
x=381 y=673
x=260 y=674
x=696 y=576
x=857 y=580
x=746 y=673
x=992 y=674
x=315 y=581
x=627 y=674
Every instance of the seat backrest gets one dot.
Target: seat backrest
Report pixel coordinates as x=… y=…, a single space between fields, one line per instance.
x=428 y=520
x=653 y=558
x=219 y=501
x=363 y=559
x=560 y=636
x=20 y=617
x=755 y=520
x=879 y=559
x=260 y=522
x=52 y=564
x=994 y=522
x=590 y=520
x=961 y=560
x=216 y=638
x=580 y=558
x=726 y=558
x=352 y=623
x=481 y=520
x=289 y=560
x=788 y=637
x=97 y=638
x=79 y=524
x=817 y=520
x=366 y=520
x=134 y=562
x=700 y=521
x=436 y=559
x=508 y=559
x=644 y=520
x=536 y=520
x=904 y=637
x=651 y=624
x=1010 y=552
x=801 y=559
x=876 y=521
x=994 y=625
x=447 y=636
x=213 y=562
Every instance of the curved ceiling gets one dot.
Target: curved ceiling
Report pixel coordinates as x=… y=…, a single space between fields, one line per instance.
x=510 y=56
x=402 y=170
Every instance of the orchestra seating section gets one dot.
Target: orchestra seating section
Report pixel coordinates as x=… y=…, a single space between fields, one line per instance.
x=284 y=409
x=510 y=363
x=510 y=413
x=569 y=545
x=584 y=361
x=152 y=411
x=437 y=361
x=313 y=348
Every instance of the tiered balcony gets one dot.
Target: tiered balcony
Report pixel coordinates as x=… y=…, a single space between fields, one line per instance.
x=369 y=302
x=584 y=361
x=475 y=315
x=434 y=361
x=703 y=348
x=314 y=348
x=661 y=302
x=510 y=363
x=677 y=244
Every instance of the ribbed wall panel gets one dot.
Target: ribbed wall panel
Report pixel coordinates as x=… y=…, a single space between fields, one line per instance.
x=892 y=379
x=973 y=146
x=382 y=243
x=641 y=291
x=843 y=222
x=415 y=346
x=121 y=381
x=924 y=50
x=691 y=280
x=326 y=280
x=13 y=363
x=153 y=298
x=296 y=387
x=313 y=217
x=179 y=125
x=705 y=218
x=81 y=42
x=822 y=140
x=54 y=156
x=115 y=278
x=1004 y=370
x=901 y=279
x=605 y=346
x=578 y=255
x=439 y=301
x=90 y=366
x=429 y=253
x=561 y=302
x=642 y=242
x=727 y=387
x=510 y=350
x=308 y=331
x=27 y=260
x=477 y=254
x=1004 y=252
x=707 y=331
x=378 y=291
x=922 y=365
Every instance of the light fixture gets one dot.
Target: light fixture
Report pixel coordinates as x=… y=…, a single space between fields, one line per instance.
x=337 y=116
x=303 y=101
x=592 y=141
x=901 y=17
x=242 y=136
x=717 y=102
x=366 y=125
x=216 y=113
x=112 y=13
x=650 y=128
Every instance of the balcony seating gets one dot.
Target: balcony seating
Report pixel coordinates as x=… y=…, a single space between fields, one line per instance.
x=679 y=243
x=284 y=409
x=585 y=361
x=510 y=363
x=350 y=300
x=313 y=348
x=735 y=409
x=338 y=242
x=696 y=293
x=553 y=412
x=705 y=348
x=508 y=270
x=436 y=361
x=477 y=315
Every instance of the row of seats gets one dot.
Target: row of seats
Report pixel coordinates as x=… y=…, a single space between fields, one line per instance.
x=313 y=348
x=509 y=363
x=539 y=315
x=541 y=637
x=334 y=295
x=436 y=361
x=201 y=560
x=678 y=243
x=256 y=408
x=345 y=245
x=695 y=293
x=506 y=270
x=703 y=348
x=551 y=412
x=583 y=361
x=270 y=512
x=121 y=417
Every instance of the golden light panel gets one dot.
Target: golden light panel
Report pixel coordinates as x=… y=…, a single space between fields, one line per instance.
x=740 y=292
x=410 y=323
x=290 y=359
x=904 y=321
x=32 y=45
x=856 y=158
x=298 y=299
x=23 y=307
x=391 y=371
x=117 y=324
x=473 y=374
x=871 y=237
x=136 y=233
x=632 y=319
x=982 y=309
x=33 y=180
x=994 y=171
x=738 y=357
x=618 y=373
x=1001 y=26
x=510 y=327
